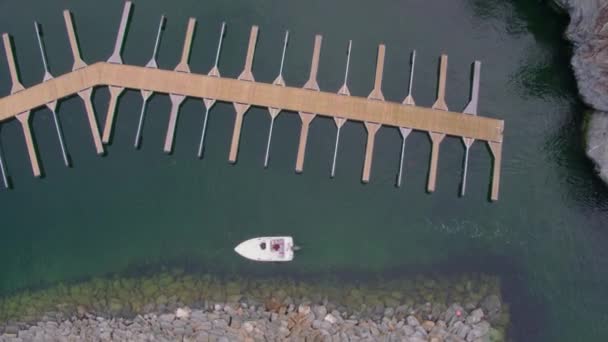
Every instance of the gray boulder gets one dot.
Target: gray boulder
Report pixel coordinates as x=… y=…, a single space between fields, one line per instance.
x=478 y=331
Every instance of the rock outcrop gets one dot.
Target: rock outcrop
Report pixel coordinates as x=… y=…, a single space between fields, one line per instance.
x=588 y=32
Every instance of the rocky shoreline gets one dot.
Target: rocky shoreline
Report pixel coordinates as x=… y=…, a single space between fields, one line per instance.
x=250 y=323
x=175 y=306
x=588 y=32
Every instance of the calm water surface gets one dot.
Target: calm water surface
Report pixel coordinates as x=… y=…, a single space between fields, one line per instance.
x=546 y=236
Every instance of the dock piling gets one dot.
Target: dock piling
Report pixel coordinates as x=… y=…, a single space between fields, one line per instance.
x=52 y=106
x=470 y=109
x=372 y=127
x=305 y=117
x=176 y=99
x=274 y=112
x=242 y=108
x=116 y=58
x=215 y=72
x=338 y=120
x=146 y=94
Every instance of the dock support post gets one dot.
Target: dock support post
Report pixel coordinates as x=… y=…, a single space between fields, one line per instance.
x=215 y=72
x=338 y=120
x=372 y=127
x=437 y=138
x=274 y=112
x=177 y=99
x=470 y=109
x=146 y=94
x=85 y=95
x=116 y=92
x=496 y=148
x=307 y=118
x=405 y=131
x=22 y=117
x=241 y=108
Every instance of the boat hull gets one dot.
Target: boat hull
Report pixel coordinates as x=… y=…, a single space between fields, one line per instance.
x=267 y=248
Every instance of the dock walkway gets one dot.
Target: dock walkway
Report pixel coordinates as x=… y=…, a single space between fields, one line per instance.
x=244 y=92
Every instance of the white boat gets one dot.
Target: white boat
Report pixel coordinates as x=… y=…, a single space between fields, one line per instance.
x=267 y=248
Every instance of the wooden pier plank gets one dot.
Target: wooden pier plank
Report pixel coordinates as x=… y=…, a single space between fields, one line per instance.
x=306 y=119
x=183 y=65
x=86 y=95
x=372 y=129
x=12 y=65
x=258 y=94
x=115 y=93
x=24 y=117
x=443 y=69
x=305 y=116
x=496 y=149
x=242 y=107
x=436 y=139
x=69 y=25
x=24 y=120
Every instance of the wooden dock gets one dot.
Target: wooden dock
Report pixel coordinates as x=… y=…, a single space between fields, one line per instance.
x=244 y=92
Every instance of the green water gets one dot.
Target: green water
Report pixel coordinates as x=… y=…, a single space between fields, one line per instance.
x=545 y=237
